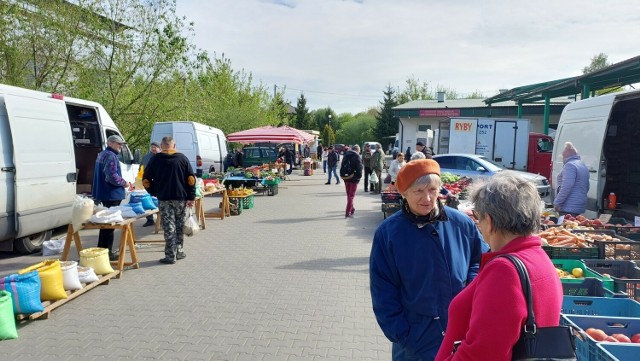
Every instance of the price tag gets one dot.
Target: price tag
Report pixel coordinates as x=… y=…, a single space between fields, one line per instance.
x=636 y=221
x=604 y=218
x=560 y=219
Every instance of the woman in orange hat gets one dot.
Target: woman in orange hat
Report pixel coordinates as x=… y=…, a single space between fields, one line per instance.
x=420 y=259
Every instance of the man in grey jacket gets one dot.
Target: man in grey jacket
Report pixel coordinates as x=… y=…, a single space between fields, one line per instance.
x=573 y=183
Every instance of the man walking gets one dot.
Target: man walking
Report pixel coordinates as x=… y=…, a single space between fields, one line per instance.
x=169 y=177
x=109 y=186
x=366 y=160
x=377 y=165
x=351 y=172
x=153 y=150
x=332 y=164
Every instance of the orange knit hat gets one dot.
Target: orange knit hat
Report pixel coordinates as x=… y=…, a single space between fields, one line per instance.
x=414 y=170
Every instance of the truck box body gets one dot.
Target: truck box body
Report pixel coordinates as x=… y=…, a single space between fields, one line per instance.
x=605 y=131
x=49 y=145
x=205 y=146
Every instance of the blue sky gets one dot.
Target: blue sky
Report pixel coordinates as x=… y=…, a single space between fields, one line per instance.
x=343 y=53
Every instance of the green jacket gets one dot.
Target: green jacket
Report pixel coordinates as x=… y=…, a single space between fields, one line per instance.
x=377 y=161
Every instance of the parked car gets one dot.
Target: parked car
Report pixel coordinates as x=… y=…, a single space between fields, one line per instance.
x=477 y=166
x=258 y=156
x=339 y=148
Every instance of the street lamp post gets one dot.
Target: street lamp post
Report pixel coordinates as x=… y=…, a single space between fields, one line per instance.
x=330 y=129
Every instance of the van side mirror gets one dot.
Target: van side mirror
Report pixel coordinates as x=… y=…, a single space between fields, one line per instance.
x=136 y=156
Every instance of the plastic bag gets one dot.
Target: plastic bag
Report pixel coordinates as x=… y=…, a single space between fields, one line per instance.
x=191 y=226
x=373 y=178
x=108 y=216
x=86 y=275
x=8 y=329
x=70 y=279
x=82 y=211
x=25 y=292
x=53 y=247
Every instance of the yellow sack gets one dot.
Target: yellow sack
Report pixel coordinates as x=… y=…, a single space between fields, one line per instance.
x=51 y=279
x=96 y=258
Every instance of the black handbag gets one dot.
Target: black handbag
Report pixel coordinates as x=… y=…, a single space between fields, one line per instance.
x=540 y=343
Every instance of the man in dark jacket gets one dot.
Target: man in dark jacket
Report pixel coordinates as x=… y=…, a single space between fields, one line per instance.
x=288 y=158
x=351 y=172
x=332 y=164
x=169 y=177
x=366 y=162
x=420 y=147
x=109 y=186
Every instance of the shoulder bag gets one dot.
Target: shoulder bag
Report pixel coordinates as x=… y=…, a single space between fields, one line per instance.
x=540 y=343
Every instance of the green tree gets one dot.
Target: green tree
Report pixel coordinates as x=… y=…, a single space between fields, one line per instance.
x=414 y=90
x=387 y=124
x=599 y=61
x=357 y=129
x=303 y=120
x=327 y=135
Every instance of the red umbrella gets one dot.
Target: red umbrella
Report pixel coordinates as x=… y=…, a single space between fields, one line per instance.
x=272 y=134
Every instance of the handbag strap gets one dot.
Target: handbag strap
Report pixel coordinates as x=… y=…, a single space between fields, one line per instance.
x=530 y=324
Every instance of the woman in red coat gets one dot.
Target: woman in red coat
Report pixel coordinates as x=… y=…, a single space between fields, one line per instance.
x=487 y=317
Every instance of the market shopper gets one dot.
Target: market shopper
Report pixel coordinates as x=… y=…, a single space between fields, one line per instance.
x=109 y=188
x=169 y=177
x=395 y=166
x=421 y=257
x=366 y=162
x=332 y=165
x=238 y=158
x=573 y=183
x=417 y=155
x=507 y=207
x=377 y=165
x=351 y=172
x=325 y=155
x=153 y=150
x=420 y=147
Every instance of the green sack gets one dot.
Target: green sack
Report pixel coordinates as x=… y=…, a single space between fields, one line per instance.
x=8 y=329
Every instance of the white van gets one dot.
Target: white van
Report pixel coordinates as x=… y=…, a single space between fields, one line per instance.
x=49 y=145
x=205 y=146
x=606 y=133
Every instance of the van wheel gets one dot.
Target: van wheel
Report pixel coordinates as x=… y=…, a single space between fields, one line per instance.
x=31 y=244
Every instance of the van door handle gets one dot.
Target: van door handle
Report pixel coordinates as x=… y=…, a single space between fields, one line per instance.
x=8 y=169
x=71 y=177
x=593 y=171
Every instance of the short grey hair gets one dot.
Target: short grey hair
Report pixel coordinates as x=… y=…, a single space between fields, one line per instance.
x=418 y=155
x=356 y=148
x=425 y=181
x=512 y=202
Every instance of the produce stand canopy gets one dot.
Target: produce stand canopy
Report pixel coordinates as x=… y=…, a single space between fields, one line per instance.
x=270 y=133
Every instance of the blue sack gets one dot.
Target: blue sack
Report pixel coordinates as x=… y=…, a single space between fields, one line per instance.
x=136 y=196
x=25 y=292
x=137 y=207
x=147 y=202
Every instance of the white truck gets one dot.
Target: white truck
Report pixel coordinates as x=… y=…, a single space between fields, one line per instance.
x=49 y=145
x=504 y=141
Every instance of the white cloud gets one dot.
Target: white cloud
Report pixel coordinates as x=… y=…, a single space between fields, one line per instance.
x=353 y=49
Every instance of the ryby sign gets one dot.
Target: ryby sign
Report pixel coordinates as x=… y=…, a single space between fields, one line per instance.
x=463 y=126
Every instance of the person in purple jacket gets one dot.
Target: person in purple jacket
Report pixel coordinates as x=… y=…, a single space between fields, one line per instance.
x=573 y=183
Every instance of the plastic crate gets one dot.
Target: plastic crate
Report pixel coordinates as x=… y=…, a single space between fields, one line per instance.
x=618 y=351
x=247 y=202
x=235 y=206
x=272 y=189
x=572 y=252
x=570 y=264
x=625 y=249
x=600 y=306
x=390 y=197
x=625 y=275
x=587 y=349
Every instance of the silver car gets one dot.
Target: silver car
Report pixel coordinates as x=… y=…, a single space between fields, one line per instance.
x=477 y=166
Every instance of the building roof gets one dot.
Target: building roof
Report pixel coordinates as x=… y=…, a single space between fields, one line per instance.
x=463 y=103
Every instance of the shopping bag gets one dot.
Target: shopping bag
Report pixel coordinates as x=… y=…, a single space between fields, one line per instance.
x=191 y=226
x=25 y=292
x=8 y=329
x=51 y=280
x=387 y=179
x=96 y=258
x=373 y=178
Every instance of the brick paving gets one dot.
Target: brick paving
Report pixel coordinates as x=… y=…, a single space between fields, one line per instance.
x=286 y=280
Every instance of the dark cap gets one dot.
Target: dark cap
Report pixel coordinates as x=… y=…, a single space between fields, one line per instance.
x=157 y=144
x=420 y=143
x=116 y=139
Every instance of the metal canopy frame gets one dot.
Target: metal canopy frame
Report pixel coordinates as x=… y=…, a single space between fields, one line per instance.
x=617 y=75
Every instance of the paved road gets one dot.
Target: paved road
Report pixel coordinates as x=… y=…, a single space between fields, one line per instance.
x=287 y=280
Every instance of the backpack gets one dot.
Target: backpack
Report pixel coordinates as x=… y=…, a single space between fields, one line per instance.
x=347 y=170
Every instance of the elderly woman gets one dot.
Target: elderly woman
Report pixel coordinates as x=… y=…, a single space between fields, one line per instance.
x=395 y=166
x=508 y=211
x=421 y=258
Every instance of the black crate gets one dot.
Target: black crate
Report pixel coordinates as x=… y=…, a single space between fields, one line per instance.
x=272 y=189
x=572 y=252
x=625 y=249
x=390 y=197
x=625 y=275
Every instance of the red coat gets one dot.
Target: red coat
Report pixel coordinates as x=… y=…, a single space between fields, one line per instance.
x=488 y=315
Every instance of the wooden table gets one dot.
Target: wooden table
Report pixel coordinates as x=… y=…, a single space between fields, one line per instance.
x=200 y=214
x=127 y=240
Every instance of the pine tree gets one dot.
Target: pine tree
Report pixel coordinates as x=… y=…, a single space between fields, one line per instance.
x=302 y=120
x=387 y=124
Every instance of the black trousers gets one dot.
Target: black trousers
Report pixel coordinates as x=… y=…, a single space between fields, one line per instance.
x=105 y=236
x=367 y=173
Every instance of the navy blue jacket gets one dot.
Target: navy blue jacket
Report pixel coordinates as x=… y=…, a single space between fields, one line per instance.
x=108 y=184
x=416 y=271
